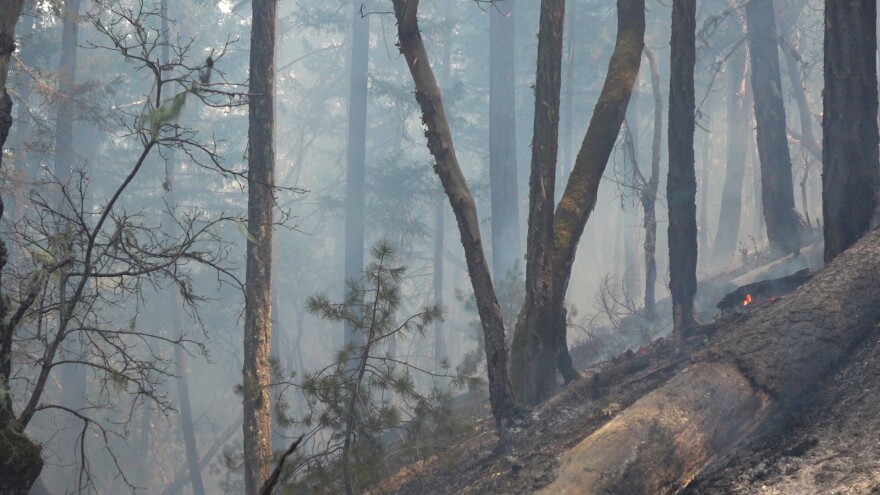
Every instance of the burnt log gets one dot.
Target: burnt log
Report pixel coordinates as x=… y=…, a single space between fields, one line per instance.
x=752 y=379
x=764 y=290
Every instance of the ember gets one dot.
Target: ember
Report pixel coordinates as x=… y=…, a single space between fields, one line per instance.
x=748 y=300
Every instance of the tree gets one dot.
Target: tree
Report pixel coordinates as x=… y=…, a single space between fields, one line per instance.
x=258 y=279
x=534 y=371
x=356 y=152
x=777 y=192
x=20 y=461
x=441 y=147
x=681 y=184
x=850 y=168
x=579 y=198
x=730 y=215
x=506 y=247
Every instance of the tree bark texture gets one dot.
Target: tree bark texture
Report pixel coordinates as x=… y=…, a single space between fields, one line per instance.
x=850 y=170
x=258 y=278
x=681 y=184
x=447 y=168
x=649 y=192
x=533 y=372
x=777 y=190
x=506 y=247
x=737 y=136
x=753 y=378
x=631 y=267
x=356 y=158
x=20 y=461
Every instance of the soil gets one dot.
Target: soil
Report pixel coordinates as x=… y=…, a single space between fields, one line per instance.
x=478 y=463
x=831 y=447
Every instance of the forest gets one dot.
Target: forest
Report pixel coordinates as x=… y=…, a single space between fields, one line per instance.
x=451 y=246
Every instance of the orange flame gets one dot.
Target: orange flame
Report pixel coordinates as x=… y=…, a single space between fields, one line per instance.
x=748 y=300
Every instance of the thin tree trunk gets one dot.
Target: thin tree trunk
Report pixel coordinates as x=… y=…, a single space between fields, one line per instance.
x=258 y=277
x=186 y=422
x=73 y=380
x=356 y=158
x=631 y=270
x=807 y=138
x=440 y=352
x=777 y=191
x=506 y=248
x=534 y=372
x=737 y=138
x=850 y=171
x=681 y=185
x=649 y=193
x=446 y=165
x=181 y=476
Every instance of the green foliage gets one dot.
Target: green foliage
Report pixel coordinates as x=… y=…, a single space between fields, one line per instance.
x=366 y=393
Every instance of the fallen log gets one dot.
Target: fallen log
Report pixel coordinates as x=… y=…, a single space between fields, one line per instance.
x=746 y=384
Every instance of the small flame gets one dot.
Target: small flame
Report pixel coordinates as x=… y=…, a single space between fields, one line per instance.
x=748 y=300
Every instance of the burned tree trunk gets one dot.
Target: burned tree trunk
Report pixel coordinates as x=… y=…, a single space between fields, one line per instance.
x=533 y=370
x=681 y=184
x=446 y=165
x=777 y=191
x=746 y=384
x=850 y=170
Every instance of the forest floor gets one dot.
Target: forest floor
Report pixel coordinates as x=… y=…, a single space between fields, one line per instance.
x=831 y=447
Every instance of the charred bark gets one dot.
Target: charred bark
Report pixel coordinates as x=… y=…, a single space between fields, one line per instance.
x=745 y=385
x=777 y=190
x=850 y=171
x=447 y=168
x=258 y=277
x=681 y=184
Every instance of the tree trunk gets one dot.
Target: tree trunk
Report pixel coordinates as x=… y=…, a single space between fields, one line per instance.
x=506 y=249
x=356 y=159
x=446 y=165
x=20 y=461
x=72 y=377
x=850 y=171
x=681 y=184
x=440 y=352
x=579 y=199
x=737 y=136
x=777 y=192
x=649 y=191
x=258 y=277
x=631 y=268
x=742 y=388
x=533 y=372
